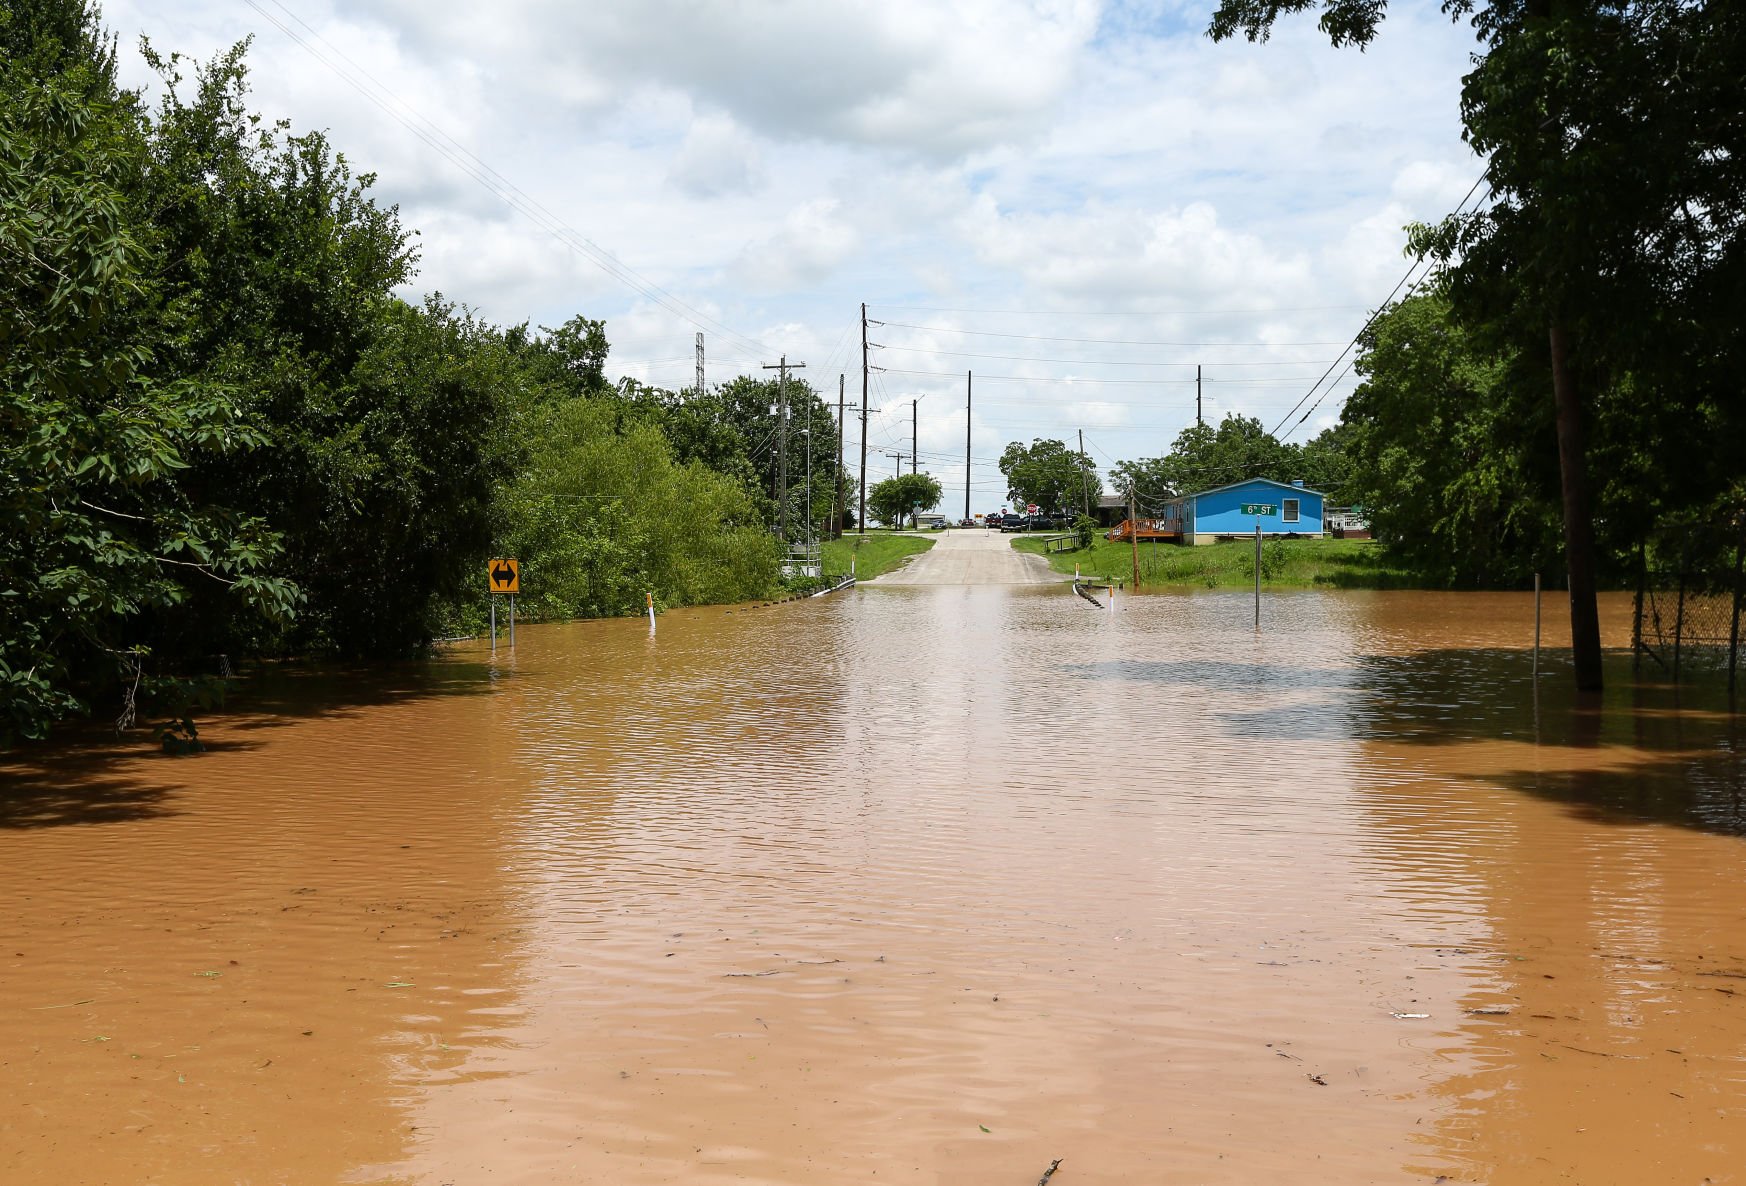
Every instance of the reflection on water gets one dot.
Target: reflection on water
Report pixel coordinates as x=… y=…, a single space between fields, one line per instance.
x=942 y=883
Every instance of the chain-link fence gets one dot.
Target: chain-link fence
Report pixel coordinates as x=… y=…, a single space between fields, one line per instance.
x=1689 y=592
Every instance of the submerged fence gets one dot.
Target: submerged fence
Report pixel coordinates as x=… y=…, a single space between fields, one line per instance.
x=1691 y=579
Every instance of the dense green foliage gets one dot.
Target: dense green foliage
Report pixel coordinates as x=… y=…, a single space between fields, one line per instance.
x=1046 y=473
x=896 y=499
x=224 y=433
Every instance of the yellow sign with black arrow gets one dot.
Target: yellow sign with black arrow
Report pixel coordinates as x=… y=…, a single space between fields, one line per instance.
x=504 y=575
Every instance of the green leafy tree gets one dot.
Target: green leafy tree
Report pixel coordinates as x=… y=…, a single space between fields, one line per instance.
x=1204 y=456
x=1047 y=473
x=102 y=524
x=896 y=499
x=600 y=517
x=1323 y=465
x=1452 y=473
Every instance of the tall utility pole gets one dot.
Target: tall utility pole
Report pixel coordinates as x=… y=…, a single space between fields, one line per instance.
x=699 y=364
x=900 y=457
x=1084 y=479
x=1197 y=418
x=782 y=441
x=969 y=382
x=837 y=478
x=1134 y=531
x=861 y=515
x=914 y=441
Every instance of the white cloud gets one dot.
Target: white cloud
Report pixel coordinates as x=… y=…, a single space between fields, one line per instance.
x=1100 y=170
x=716 y=158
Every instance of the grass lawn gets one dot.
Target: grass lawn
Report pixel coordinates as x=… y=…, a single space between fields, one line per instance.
x=878 y=552
x=1285 y=563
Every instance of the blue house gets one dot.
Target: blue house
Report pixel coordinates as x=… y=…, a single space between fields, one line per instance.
x=1207 y=516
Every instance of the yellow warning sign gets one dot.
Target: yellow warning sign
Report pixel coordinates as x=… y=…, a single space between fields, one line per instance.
x=504 y=575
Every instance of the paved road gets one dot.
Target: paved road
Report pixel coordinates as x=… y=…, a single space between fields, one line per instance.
x=972 y=556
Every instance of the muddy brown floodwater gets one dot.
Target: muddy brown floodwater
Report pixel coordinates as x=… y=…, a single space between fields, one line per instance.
x=916 y=885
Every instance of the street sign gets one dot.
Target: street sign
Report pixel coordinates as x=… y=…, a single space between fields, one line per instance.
x=504 y=575
x=1259 y=508
x=1031 y=509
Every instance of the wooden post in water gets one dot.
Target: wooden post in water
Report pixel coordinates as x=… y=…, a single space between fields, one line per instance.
x=1734 y=627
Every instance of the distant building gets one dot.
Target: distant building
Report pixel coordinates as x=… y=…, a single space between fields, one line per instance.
x=1208 y=516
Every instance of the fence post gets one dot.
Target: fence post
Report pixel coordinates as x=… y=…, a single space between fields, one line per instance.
x=1734 y=626
x=1678 y=623
x=1637 y=611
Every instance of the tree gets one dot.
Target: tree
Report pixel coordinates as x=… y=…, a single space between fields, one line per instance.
x=1046 y=473
x=1609 y=258
x=1323 y=464
x=897 y=499
x=1203 y=457
x=1453 y=473
x=102 y=523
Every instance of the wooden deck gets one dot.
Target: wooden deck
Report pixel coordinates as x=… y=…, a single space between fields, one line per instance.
x=1143 y=529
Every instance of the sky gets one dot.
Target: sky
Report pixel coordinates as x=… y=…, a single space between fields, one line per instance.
x=1077 y=201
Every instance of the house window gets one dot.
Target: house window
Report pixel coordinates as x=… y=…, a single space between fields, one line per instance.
x=1291 y=510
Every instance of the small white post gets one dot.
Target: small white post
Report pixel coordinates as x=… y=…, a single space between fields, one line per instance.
x=650 y=599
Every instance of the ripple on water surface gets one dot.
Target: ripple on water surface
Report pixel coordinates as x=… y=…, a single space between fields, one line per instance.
x=944 y=883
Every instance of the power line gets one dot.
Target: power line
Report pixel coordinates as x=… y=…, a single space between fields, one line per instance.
x=1111 y=362
x=1121 y=312
x=1369 y=321
x=984 y=333
x=1069 y=380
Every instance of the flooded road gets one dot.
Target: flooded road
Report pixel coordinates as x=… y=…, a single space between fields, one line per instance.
x=925 y=884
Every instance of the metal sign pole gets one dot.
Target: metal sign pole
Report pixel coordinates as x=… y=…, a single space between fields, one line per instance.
x=1257 y=574
x=493 y=598
x=512 y=619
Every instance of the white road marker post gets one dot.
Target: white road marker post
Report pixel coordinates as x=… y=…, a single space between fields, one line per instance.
x=650 y=599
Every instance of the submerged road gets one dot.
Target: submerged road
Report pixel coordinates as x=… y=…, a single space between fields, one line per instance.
x=972 y=557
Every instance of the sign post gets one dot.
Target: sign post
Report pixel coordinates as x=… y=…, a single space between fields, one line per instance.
x=1260 y=510
x=503 y=576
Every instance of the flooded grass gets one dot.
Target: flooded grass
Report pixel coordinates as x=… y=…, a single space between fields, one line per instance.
x=1286 y=563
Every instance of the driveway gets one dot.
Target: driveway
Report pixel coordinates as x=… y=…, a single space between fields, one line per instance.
x=971 y=556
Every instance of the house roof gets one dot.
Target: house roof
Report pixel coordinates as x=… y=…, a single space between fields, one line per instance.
x=1252 y=481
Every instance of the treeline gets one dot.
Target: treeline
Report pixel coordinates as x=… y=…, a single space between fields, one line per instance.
x=223 y=434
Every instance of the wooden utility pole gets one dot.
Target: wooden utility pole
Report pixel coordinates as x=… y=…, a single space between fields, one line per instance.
x=969 y=384
x=914 y=441
x=837 y=478
x=783 y=367
x=1134 y=531
x=1197 y=418
x=861 y=515
x=1084 y=479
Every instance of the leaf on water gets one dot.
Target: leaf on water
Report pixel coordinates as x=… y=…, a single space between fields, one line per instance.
x=983 y=1127
x=398 y=984
x=209 y=975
